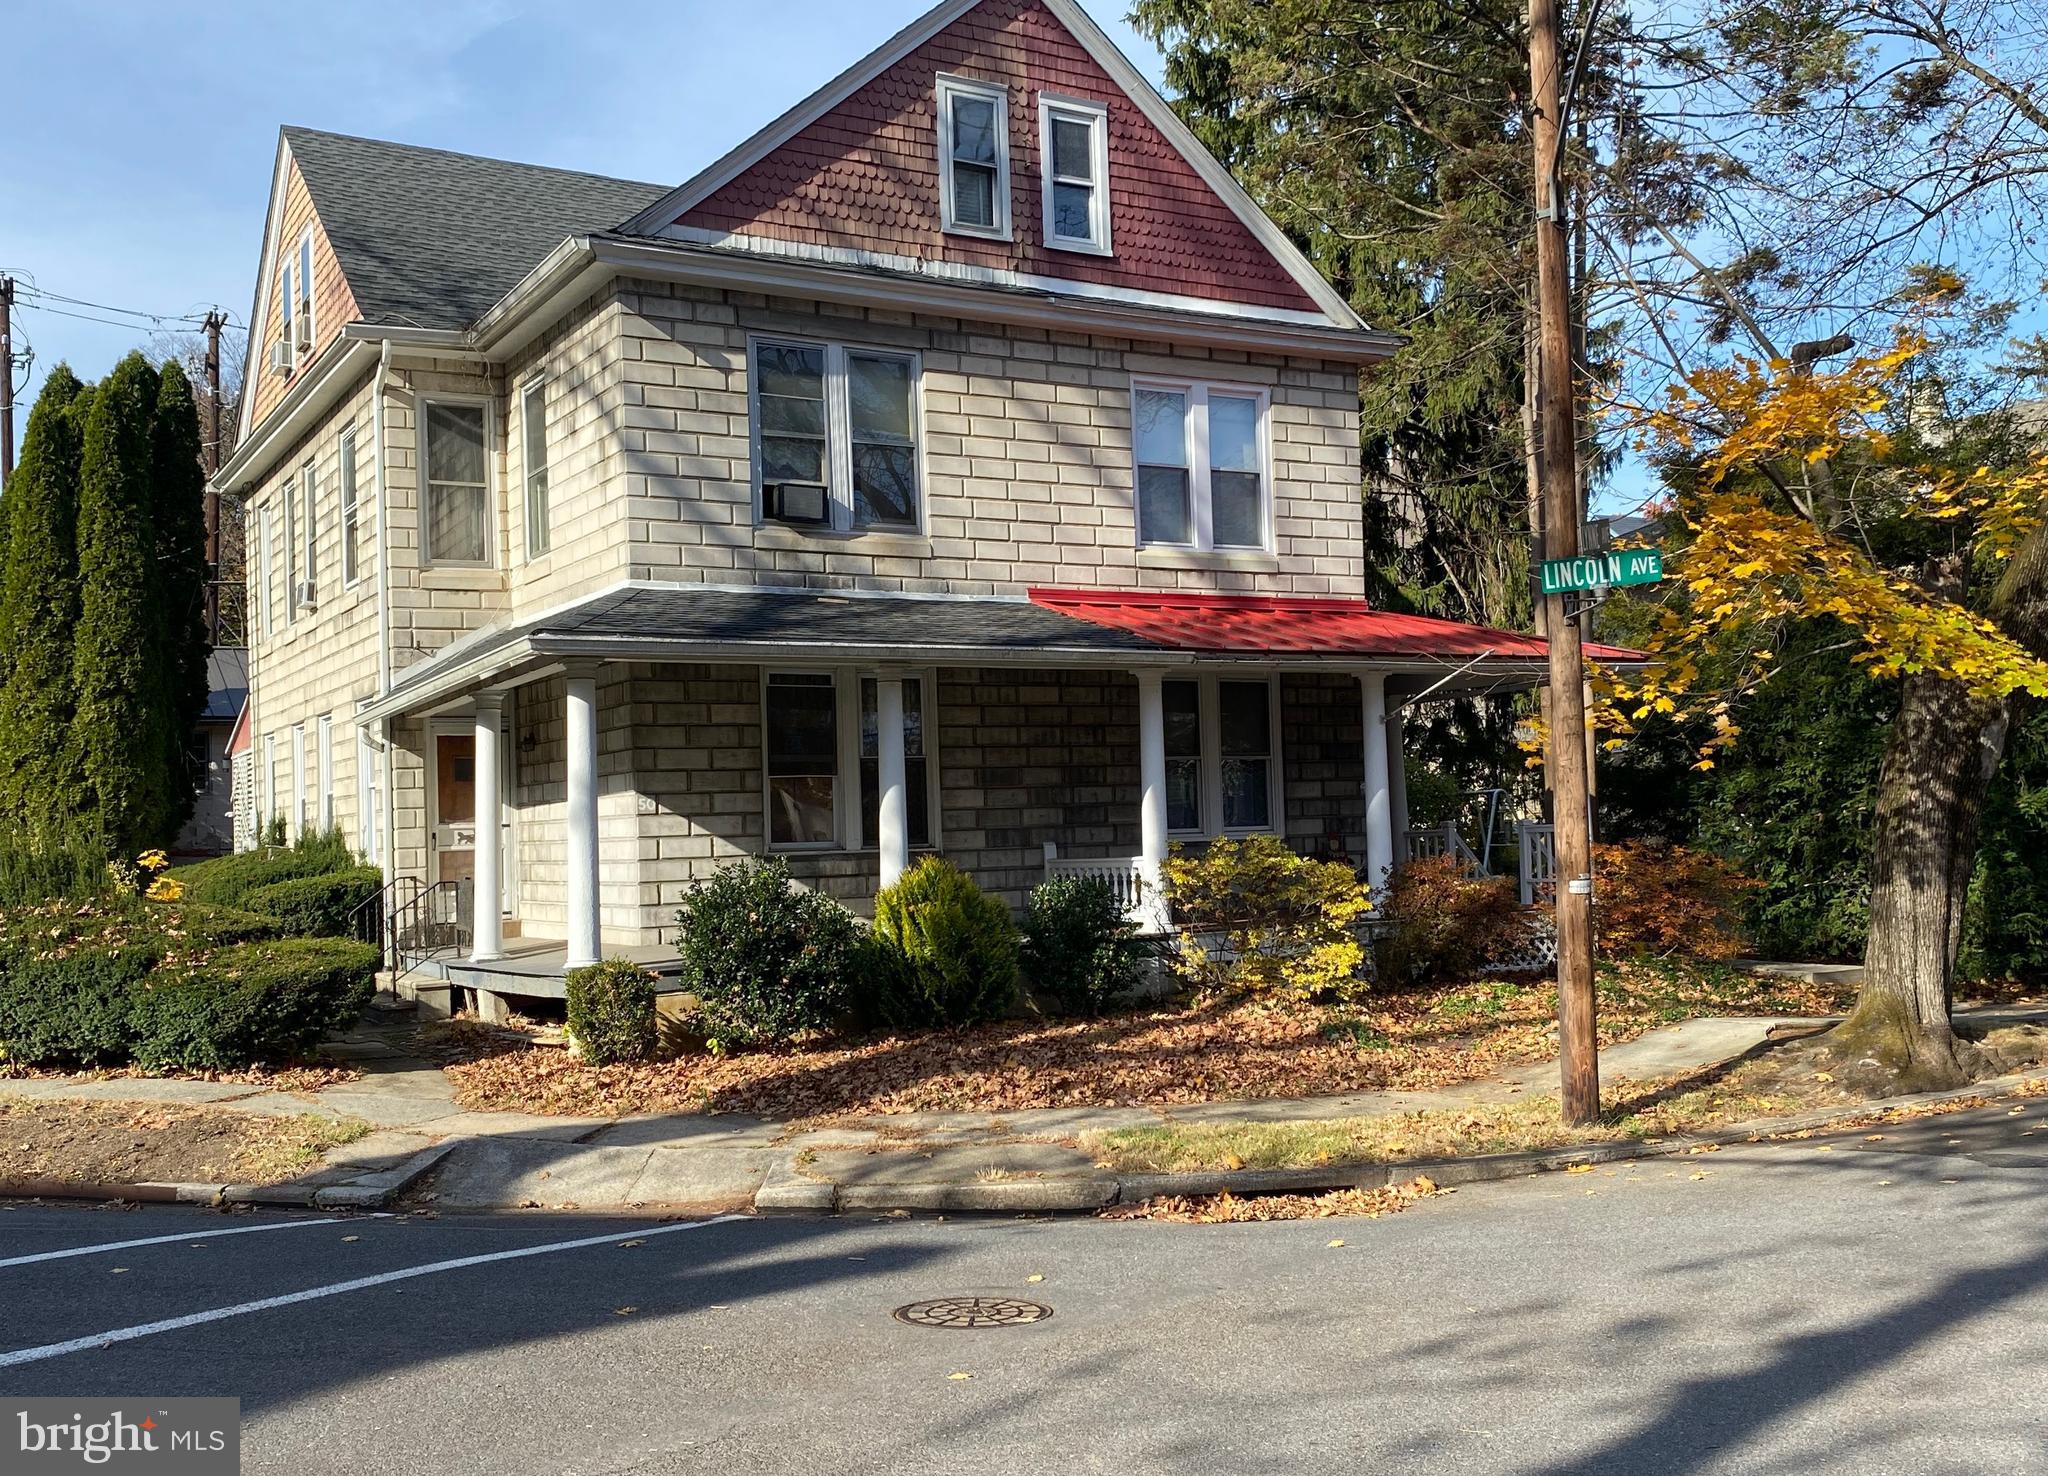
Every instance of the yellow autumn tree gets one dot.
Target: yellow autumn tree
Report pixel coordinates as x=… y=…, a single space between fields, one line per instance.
x=1800 y=507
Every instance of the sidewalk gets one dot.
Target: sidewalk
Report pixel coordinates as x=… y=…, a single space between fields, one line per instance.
x=1021 y=1161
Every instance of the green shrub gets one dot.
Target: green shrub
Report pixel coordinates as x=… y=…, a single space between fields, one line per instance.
x=611 y=1011
x=163 y=929
x=1443 y=924
x=147 y=1002
x=1285 y=924
x=768 y=959
x=1079 y=948
x=949 y=950
x=35 y=869
x=227 y=881
x=254 y=1002
x=316 y=906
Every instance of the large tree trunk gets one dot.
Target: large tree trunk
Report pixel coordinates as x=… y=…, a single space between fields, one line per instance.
x=1938 y=766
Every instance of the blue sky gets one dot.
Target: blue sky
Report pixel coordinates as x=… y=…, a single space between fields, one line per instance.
x=142 y=134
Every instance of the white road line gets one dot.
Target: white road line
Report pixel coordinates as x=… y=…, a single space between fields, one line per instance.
x=335 y=1289
x=121 y=1245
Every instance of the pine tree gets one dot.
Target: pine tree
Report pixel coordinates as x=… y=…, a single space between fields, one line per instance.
x=118 y=733
x=180 y=599
x=39 y=610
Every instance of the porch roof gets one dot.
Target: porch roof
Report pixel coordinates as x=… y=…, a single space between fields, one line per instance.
x=699 y=622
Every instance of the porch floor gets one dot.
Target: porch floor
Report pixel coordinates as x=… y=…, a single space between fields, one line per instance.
x=533 y=968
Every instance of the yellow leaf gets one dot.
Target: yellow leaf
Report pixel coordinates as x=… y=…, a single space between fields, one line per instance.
x=958 y=1376
x=1034 y=1278
x=624 y=1311
x=1333 y=1245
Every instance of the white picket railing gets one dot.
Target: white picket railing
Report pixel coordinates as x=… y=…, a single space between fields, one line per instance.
x=1442 y=840
x=1125 y=876
x=1539 y=862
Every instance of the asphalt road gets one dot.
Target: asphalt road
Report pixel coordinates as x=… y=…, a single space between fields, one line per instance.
x=1838 y=1306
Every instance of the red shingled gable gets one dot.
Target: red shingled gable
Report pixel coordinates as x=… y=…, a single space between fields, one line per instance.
x=865 y=175
x=1285 y=624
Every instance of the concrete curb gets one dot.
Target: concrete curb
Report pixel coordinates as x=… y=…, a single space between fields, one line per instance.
x=369 y=1191
x=786 y=1190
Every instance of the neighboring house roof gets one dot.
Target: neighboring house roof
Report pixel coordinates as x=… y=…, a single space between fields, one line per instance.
x=428 y=238
x=1293 y=625
x=227 y=683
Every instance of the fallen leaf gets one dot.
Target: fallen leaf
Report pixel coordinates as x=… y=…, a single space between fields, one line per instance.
x=350 y=1239
x=1823 y=1076
x=1333 y=1245
x=1034 y=1278
x=1579 y=1168
x=1874 y=1138
x=120 y=1271
x=624 y=1311
x=1699 y=1176
x=628 y=1244
x=958 y=1376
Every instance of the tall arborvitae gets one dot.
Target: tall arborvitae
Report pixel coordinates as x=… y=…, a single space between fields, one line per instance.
x=180 y=491
x=118 y=731
x=39 y=611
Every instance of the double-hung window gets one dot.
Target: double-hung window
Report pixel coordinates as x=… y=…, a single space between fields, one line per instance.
x=303 y=318
x=287 y=308
x=455 y=471
x=801 y=716
x=290 y=496
x=916 y=769
x=822 y=742
x=351 y=509
x=835 y=431
x=1073 y=137
x=309 y=494
x=1201 y=465
x=974 y=157
x=1222 y=763
x=266 y=573
x=533 y=422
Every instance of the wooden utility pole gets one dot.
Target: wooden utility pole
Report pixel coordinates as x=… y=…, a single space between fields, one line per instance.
x=6 y=379
x=1557 y=450
x=211 y=458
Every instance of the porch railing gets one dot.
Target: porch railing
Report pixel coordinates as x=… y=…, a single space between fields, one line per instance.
x=1539 y=862
x=1431 y=842
x=433 y=921
x=1125 y=877
x=373 y=920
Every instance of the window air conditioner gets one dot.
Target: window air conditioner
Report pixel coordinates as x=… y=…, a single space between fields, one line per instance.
x=280 y=359
x=797 y=502
x=302 y=330
x=308 y=595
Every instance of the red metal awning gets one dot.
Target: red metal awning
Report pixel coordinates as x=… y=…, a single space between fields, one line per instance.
x=1293 y=625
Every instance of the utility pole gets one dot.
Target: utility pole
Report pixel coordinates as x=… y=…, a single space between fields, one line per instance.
x=1557 y=450
x=6 y=380
x=212 y=462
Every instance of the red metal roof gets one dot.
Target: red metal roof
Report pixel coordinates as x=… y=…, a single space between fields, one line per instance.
x=1285 y=624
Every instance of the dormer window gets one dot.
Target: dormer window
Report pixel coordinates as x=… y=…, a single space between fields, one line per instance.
x=303 y=318
x=1073 y=137
x=974 y=157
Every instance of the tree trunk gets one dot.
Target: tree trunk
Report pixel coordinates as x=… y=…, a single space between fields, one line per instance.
x=1938 y=767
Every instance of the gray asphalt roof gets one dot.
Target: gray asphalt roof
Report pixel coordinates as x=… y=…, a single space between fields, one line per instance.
x=433 y=239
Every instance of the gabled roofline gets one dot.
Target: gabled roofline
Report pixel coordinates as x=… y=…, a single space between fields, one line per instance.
x=1101 y=49
x=259 y=305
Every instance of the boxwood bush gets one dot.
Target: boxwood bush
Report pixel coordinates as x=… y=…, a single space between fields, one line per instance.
x=611 y=1011
x=1079 y=948
x=767 y=959
x=317 y=906
x=945 y=951
x=228 y=881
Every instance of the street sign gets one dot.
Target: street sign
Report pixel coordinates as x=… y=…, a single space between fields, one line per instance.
x=1599 y=571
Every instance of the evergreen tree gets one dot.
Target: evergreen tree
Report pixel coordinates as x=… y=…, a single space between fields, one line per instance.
x=118 y=732
x=180 y=490
x=39 y=610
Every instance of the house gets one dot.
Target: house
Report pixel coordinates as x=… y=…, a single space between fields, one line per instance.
x=211 y=829
x=961 y=464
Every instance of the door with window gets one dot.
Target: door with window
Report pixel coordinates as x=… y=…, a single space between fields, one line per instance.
x=454 y=806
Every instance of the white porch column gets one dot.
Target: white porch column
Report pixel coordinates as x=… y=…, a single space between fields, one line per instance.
x=586 y=941
x=892 y=823
x=1397 y=781
x=487 y=934
x=1379 y=802
x=1152 y=792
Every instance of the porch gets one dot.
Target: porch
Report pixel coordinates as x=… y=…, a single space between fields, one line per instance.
x=651 y=736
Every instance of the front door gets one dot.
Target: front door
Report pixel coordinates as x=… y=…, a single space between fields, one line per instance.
x=454 y=807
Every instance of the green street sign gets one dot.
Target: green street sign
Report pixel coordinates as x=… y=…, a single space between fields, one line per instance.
x=1599 y=571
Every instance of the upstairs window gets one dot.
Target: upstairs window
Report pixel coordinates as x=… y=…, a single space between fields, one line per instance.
x=289 y=495
x=266 y=575
x=1074 y=147
x=303 y=317
x=456 y=475
x=835 y=436
x=1201 y=466
x=351 y=511
x=533 y=421
x=974 y=157
x=287 y=307
x=309 y=529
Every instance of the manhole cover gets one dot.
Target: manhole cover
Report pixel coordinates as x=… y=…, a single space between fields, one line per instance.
x=973 y=1312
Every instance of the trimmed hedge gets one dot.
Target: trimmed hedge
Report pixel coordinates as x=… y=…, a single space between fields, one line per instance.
x=228 y=881
x=316 y=906
x=944 y=951
x=1079 y=948
x=611 y=1011
x=767 y=959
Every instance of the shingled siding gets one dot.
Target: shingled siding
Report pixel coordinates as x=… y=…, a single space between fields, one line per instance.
x=333 y=304
x=1024 y=757
x=865 y=176
x=1026 y=454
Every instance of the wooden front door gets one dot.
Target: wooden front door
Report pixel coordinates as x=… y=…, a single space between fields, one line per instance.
x=454 y=806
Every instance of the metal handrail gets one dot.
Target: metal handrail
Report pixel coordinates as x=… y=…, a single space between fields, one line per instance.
x=432 y=921
x=370 y=920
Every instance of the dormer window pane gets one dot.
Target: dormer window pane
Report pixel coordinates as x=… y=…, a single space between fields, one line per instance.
x=1074 y=135
x=974 y=162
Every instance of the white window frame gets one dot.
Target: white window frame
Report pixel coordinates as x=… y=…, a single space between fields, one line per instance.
x=1096 y=116
x=1210 y=708
x=307 y=325
x=839 y=433
x=266 y=800
x=326 y=772
x=369 y=811
x=290 y=494
x=350 y=494
x=288 y=306
x=266 y=571
x=949 y=87
x=298 y=780
x=1195 y=434
x=533 y=410
x=428 y=557
x=847 y=824
x=309 y=531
